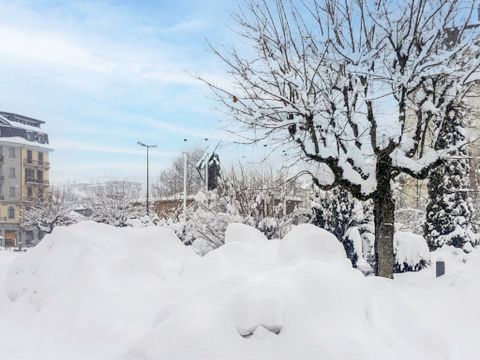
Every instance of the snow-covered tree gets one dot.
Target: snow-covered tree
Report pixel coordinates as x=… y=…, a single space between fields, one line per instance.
x=358 y=87
x=115 y=203
x=449 y=212
x=56 y=210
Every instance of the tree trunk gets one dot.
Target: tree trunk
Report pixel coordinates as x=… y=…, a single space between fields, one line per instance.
x=384 y=210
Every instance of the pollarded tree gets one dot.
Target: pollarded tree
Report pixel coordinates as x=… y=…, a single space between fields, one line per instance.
x=449 y=211
x=358 y=88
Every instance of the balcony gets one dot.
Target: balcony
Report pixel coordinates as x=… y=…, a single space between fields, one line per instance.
x=30 y=180
x=37 y=163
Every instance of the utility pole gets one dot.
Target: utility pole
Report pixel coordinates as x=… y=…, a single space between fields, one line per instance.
x=284 y=180
x=148 y=175
x=185 y=181
x=206 y=165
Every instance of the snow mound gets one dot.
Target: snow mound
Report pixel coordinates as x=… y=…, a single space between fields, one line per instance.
x=91 y=291
x=411 y=252
x=243 y=233
x=88 y=288
x=307 y=242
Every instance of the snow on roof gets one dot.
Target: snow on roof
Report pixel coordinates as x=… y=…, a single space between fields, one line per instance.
x=16 y=124
x=17 y=117
x=21 y=141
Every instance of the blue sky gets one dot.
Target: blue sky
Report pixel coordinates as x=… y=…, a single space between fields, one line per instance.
x=106 y=74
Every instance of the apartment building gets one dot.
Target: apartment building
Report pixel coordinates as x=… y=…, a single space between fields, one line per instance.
x=24 y=174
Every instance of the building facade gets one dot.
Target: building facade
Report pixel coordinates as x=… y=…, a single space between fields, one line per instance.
x=24 y=174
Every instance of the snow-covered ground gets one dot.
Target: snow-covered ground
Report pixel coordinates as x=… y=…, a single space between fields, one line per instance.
x=91 y=291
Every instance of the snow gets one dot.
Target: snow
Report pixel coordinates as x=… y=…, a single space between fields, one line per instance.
x=410 y=250
x=21 y=125
x=307 y=242
x=21 y=141
x=92 y=291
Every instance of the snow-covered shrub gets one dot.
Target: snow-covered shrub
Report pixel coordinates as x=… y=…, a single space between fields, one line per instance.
x=411 y=252
x=307 y=242
x=341 y=214
x=254 y=198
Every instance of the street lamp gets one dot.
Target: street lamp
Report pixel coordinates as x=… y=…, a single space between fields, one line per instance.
x=185 y=181
x=206 y=165
x=148 y=185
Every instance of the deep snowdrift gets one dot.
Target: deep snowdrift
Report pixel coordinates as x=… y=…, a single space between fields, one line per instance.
x=91 y=291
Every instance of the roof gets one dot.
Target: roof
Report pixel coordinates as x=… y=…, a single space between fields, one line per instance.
x=21 y=119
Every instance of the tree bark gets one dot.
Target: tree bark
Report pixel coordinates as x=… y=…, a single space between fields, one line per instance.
x=384 y=210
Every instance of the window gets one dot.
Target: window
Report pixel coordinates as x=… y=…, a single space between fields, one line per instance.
x=12 y=192
x=29 y=193
x=11 y=173
x=29 y=174
x=11 y=213
x=29 y=156
x=40 y=175
x=11 y=153
x=40 y=157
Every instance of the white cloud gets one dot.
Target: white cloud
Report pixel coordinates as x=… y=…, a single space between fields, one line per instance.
x=44 y=47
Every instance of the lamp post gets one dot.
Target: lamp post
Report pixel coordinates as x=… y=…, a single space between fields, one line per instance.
x=148 y=185
x=185 y=181
x=206 y=165
x=284 y=180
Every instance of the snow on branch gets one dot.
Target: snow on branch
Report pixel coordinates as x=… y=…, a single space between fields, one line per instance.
x=352 y=83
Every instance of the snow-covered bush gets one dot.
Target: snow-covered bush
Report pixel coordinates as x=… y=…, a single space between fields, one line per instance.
x=256 y=198
x=347 y=218
x=411 y=252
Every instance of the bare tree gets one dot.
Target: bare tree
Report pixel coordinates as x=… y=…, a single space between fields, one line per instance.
x=56 y=210
x=358 y=89
x=170 y=180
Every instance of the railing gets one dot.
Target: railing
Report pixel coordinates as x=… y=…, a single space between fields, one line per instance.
x=36 y=181
x=32 y=162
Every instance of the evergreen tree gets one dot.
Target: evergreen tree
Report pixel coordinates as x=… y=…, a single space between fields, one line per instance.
x=449 y=211
x=337 y=211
